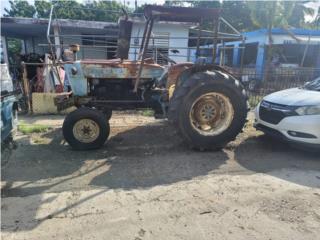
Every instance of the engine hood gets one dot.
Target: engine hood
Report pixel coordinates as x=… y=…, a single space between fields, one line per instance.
x=294 y=97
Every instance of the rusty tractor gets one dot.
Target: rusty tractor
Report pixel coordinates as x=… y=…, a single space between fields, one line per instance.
x=205 y=103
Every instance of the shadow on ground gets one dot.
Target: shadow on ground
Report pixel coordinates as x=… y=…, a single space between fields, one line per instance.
x=261 y=154
x=141 y=157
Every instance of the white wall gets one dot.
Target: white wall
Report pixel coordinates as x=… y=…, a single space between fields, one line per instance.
x=175 y=30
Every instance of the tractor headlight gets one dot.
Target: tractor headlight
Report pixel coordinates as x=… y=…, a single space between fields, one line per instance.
x=308 y=110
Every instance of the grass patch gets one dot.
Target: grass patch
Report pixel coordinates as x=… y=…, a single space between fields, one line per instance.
x=33 y=128
x=147 y=113
x=254 y=100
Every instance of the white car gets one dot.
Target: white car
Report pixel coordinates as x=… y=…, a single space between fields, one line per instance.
x=292 y=114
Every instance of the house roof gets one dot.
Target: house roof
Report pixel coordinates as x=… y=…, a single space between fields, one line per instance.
x=281 y=31
x=30 y=27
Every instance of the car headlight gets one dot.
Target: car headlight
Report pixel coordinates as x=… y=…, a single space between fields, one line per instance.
x=308 y=110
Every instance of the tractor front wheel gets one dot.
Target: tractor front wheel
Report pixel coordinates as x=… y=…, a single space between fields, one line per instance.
x=85 y=129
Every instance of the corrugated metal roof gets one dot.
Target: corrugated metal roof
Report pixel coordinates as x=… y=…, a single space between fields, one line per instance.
x=296 y=31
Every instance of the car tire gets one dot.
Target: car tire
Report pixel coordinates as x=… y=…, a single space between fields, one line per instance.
x=108 y=114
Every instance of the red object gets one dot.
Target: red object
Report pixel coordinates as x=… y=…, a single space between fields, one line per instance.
x=59 y=88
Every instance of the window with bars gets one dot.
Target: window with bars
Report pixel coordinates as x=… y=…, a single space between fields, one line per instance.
x=159 y=47
x=94 y=40
x=99 y=46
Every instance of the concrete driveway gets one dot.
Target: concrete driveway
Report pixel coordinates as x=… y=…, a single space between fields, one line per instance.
x=146 y=184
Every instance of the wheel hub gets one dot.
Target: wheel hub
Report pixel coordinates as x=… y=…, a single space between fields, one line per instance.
x=211 y=114
x=86 y=130
x=206 y=110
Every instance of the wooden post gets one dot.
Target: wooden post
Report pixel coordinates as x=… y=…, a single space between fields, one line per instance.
x=26 y=87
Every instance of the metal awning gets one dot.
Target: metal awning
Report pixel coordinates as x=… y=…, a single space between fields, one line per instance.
x=18 y=27
x=180 y=14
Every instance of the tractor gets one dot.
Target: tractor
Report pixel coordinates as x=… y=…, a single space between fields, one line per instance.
x=205 y=103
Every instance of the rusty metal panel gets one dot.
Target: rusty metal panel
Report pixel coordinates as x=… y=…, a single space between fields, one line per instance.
x=101 y=71
x=119 y=70
x=175 y=71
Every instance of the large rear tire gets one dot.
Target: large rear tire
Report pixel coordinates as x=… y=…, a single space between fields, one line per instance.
x=209 y=109
x=85 y=129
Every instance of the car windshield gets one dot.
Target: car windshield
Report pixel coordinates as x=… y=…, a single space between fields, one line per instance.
x=313 y=85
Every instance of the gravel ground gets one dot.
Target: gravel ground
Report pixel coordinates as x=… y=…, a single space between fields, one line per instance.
x=146 y=184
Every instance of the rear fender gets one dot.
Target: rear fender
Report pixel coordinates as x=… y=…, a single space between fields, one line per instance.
x=179 y=73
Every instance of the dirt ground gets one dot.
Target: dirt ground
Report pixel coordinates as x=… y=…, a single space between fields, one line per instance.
x=146 y=184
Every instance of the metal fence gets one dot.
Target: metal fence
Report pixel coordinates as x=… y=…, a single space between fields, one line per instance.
x=259 y=85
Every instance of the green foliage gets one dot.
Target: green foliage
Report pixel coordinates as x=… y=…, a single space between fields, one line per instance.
x=147 y=113
x=108 y=10
x=283 y=14
x=42 y=8
x=243 y=15
x=19 y=9
x=299 y=11
x=254 y=100
x=140 y=9
x=238 y=14
x=14 y=49
x=14 y=45
x=262 y=13
x=205 y=4
x=316 y=23
x=67 y=9
x=175 y=3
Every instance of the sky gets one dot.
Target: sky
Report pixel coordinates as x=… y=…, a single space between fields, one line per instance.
x=130 y=3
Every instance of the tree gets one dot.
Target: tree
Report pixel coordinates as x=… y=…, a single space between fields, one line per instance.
x=175 y=3
x=205 y=4
x=139 y=9
x=237 y=13
x=67 y=9
x=14 y=49
x=20 y=9
x=299 y=11
x=268 y=15
x=317 y=20
x=278 y=14
x=107 y=10
x=42 y=8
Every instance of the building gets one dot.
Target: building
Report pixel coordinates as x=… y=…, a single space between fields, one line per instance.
x=168 y=38
x=97 y=40
x=33 y=34
x=293 y=48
